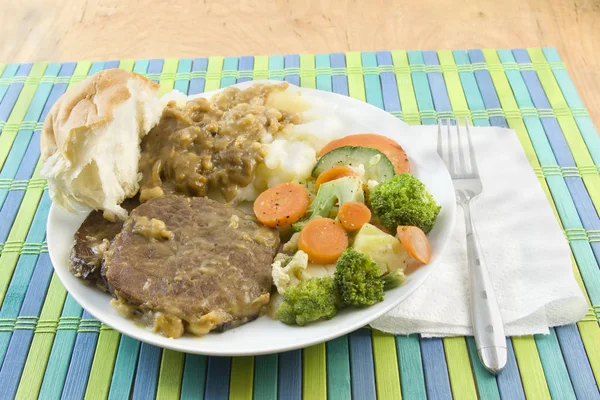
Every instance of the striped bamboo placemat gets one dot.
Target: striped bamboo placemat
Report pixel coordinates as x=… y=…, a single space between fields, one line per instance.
x=51 y=348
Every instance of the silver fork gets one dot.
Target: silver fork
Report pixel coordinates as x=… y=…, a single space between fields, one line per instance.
x=488 y=328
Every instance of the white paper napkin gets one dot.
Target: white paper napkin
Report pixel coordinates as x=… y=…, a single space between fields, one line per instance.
x=525 y=250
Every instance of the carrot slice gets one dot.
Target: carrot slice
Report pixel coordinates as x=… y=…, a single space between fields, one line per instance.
x=281 y=205
x=353 y=215
x=415 y=242
x=323 y=240
x=392 y=150
x=332 y=174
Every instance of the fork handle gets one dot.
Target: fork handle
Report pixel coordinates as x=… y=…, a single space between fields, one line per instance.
x=488 y=328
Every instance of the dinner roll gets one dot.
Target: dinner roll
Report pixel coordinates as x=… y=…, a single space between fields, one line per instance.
x=90 y=141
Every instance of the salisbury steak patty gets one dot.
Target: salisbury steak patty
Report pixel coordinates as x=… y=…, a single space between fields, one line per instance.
x=92 y=240
x=191 y=263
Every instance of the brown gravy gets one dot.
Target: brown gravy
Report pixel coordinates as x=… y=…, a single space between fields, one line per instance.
x=206 y=144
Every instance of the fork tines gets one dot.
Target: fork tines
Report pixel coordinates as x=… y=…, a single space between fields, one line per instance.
x=449 y=145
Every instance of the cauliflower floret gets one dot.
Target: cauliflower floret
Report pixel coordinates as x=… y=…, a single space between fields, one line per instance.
x=287 y=271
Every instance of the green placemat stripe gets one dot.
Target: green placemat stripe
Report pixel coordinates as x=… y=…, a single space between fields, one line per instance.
x=171 y=374
x=314 y=372
x=387 y=379
x=242 y=378
x=308 y=76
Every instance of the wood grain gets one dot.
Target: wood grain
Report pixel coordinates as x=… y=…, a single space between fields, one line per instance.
x=63 y=30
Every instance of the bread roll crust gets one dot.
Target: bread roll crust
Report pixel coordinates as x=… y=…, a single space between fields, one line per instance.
x=87 y=105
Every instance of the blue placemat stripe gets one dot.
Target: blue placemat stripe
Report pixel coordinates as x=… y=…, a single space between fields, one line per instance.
x=362 y=371
x=580 y=371
x=146 y=375
x=11 y=95
x=217 y=378
x=81 y=359
x=245 y=67
x=197 y=83
x=389 y=86
x=554 y=366
x=292 y=67
x=289 y=375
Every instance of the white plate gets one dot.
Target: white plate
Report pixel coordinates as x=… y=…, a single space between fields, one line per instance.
x=265 y=335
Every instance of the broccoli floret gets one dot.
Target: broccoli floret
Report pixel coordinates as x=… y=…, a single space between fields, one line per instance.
x=309 y=301
x=393 y=279
x=310 y=186
x=404 y=200
x=338 y=191
x=357 y=279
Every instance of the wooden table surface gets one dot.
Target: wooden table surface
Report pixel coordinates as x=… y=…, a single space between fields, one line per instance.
x=67 y=30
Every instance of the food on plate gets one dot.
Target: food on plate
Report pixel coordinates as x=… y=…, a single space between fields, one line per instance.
x=353 y=215
x=208 y=212
x=373 y=163
x=90 y=141
x=211 y=270
x=281 y=205
x=323 y=240
x=385 y=249
x=288 y=270
x=415 y=242
x=357 y=279
x=404 y=200
x=333 y=174
x=392 y=150
x=339 y=191
x=211 y=144
x=92 y=239
x=308 y=301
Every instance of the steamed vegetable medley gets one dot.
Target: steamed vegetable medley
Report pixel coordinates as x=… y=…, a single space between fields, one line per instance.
x=357 y=227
